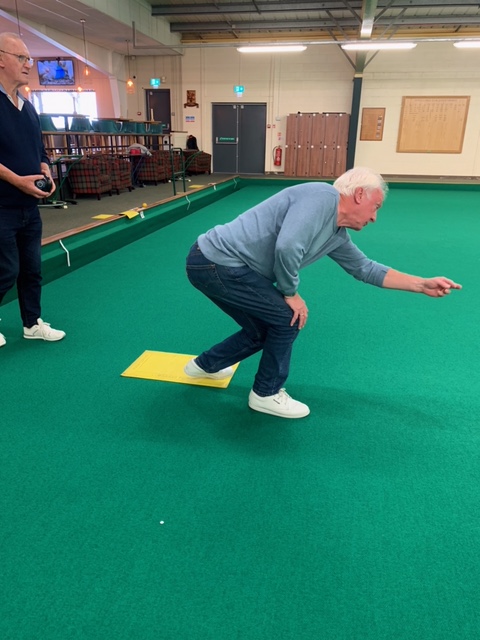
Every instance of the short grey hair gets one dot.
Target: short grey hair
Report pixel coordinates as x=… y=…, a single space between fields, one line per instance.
x=360 y=177
x=9 y=35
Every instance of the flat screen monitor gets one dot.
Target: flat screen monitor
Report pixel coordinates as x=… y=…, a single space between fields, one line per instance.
x=57 y=72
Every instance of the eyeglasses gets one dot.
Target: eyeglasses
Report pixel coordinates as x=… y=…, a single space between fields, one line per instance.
x=22 y=59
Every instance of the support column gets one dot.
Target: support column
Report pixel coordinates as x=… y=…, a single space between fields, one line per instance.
x=354 y=117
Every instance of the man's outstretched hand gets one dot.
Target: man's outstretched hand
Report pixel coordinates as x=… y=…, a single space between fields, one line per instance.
x=438 y=287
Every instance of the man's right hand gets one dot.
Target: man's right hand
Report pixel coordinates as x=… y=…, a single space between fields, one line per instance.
x=27 y=185
x=299 y=308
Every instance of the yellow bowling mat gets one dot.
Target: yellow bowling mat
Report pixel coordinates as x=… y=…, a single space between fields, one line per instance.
x=158 y=365
x=131 y=213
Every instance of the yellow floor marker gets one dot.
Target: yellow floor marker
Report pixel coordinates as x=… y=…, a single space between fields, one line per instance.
x=168 y=367
x=131 y=213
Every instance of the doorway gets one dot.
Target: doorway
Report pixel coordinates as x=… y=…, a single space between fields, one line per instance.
x=239 y=137
x=158 y=107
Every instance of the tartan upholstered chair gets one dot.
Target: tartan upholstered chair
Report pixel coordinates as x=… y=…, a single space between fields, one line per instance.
x=197 y=162
x=151 y=168
x=121 y=174
x=90 y=177
x=167 y=162
x=119 y=170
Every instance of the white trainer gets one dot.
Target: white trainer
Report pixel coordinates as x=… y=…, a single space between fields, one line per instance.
x=3 y=342
x=281 y=405
x=193 y=370
x=43 y=331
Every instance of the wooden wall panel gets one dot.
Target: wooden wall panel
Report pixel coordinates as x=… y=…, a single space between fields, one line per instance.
x=330 y=145
x=316 y=153
x=342 y=138
x=304 y=135
x=291 y=136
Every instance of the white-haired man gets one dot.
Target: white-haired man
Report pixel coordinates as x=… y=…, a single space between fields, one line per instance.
x=23 y=161
x=250 y=269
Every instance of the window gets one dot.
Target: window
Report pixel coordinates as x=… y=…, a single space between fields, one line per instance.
x=65 y=103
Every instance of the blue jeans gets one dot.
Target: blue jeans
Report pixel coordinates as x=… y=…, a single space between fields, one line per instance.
x=21 y=260
x=259 y=308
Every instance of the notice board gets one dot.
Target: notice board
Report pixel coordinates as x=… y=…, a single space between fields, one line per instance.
x=432 y=124
x=373 y=120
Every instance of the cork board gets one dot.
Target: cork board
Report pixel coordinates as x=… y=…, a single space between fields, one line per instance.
x=373 y=120
x=432 y=124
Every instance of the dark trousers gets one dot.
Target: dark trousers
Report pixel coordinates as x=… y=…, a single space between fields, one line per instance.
x=21 y=260
x=259 y=308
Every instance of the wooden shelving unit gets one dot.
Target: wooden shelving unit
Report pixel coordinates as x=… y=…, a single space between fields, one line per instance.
x=69 y=142
x=76 y=137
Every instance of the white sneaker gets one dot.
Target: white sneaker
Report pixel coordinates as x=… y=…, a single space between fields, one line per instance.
x=43 y=331
x=281 y=404
x=3 y=342
x=193 y=370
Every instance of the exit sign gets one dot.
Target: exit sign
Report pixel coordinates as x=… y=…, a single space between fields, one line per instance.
x=154 y=82
x=238 y=88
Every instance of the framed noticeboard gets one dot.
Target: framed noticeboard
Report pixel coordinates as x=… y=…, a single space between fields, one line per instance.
x=432 y=124
x=373 y=120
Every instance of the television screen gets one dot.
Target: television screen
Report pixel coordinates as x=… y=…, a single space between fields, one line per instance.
x=57 y=72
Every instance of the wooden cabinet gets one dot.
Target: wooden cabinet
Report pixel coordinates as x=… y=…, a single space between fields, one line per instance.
x=316 y=145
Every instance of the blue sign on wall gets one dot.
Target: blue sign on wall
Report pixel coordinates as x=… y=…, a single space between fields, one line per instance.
x=155 y=82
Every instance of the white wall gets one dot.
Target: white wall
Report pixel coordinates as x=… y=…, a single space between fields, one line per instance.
x=319 y=79
x=143 y=68
x=431 y=69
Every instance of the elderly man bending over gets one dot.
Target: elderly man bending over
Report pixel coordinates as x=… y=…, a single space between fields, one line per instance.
x=250 y=269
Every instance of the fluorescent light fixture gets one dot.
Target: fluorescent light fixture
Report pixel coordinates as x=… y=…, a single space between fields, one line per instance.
x=376 y=46
x=467 y=44
x=280 y=48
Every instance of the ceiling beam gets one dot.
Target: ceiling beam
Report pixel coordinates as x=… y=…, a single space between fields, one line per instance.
x=310 y=25
x=366 y=29
x=204 y=27
x=219 y=8
x=368 y=18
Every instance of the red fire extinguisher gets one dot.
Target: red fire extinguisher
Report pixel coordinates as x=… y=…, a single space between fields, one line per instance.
x=277 y=159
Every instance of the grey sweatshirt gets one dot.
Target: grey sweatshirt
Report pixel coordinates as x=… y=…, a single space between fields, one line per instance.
x=287 y=232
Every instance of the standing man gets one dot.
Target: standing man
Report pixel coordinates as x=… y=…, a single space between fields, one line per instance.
x=250 y=269
x=23 y=160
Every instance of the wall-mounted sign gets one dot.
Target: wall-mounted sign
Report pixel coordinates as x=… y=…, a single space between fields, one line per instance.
x=226 y=140
x=238 y=88
x=373 y=120
x=155 y=82
x=191 y=99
